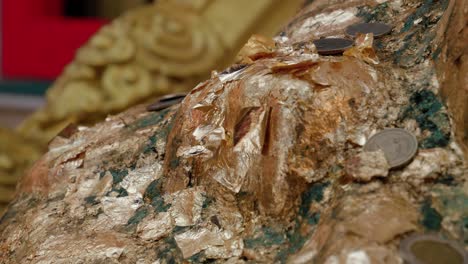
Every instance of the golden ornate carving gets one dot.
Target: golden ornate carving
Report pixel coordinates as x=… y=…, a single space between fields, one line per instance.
x=126 y=82
x=110 y=45
x=177 y=44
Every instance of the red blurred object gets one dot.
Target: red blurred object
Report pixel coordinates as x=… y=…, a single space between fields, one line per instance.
x=38 y=40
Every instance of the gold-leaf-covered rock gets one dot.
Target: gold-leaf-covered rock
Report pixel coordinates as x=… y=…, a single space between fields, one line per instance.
x=258 y=163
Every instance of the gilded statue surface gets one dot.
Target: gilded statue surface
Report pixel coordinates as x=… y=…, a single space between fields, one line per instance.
x=266 y=161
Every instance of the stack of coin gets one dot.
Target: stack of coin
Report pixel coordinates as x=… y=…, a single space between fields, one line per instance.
x=332 y=46
x=377 y=29
x=335 y=46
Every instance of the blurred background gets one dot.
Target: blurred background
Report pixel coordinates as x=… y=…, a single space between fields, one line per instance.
x=38 y=38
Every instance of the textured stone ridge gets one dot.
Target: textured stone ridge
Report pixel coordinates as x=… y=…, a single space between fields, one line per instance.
x=254 y=165
x=452 y=66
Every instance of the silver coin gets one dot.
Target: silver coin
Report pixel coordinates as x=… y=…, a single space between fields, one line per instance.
x=332 y=46
x=398 y=145
x=172 y=97
x=166 y=101
x=432 y=248
x=378 y=29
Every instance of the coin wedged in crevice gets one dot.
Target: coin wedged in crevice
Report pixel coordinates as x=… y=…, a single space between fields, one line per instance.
x=377 y=29
x=166 y=101
x=332 y=46
x=398 y=145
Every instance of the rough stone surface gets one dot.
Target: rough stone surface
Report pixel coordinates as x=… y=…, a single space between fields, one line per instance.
x=250 y=167
x=452 y=66
x=367 y=165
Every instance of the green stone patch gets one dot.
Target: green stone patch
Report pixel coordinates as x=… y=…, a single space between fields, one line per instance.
x=153 y=190
x=465 y=223
x=431 y=218
x=448 y=180
x=207 y=202
x=313 y=194
x=149 y=120
x=9 y=214
x=199 y=258
x=180 y=229
x=267 y=237
x=423 y=12
x=174 y=163
x=296 y=237
x=140 y=213
x=377 y=13
x=454 y=200
x=418 y=42
x=160 y=135
x=121 y=192
x=91 y=200
x=160 y=206
x=465 y=229
x=118 y=175
x=313 y=219
x=168 y=252
x=416 y=48
x=56 y=198
x=428 y=111
x=153 y=194
x=436 y=53
x=451 y=201
x=100 y=211
x=150 y=147
x=296 y=241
